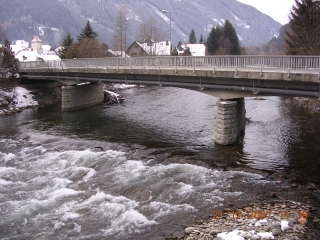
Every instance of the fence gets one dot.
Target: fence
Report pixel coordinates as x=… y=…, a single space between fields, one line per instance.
x=258 y=63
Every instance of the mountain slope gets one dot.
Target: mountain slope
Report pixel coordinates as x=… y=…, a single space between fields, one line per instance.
x=53 y=19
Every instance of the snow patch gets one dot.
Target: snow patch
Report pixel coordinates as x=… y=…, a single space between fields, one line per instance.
x=234 y=235
x=23 y=98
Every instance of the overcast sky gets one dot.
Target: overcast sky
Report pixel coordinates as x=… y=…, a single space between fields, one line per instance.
x=277 y=9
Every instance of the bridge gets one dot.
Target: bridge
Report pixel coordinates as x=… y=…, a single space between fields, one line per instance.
x=230 y=78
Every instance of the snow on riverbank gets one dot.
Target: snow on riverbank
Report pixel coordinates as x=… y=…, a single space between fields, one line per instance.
x=110 y=92
x=15 y=100
x=18 y=98
x=117 y=87
x=22 y=98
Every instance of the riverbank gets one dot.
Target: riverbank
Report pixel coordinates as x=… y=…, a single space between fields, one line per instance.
x=310 y=104
x=15 y=98
x=271 y=219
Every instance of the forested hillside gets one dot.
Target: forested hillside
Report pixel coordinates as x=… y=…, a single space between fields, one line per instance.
x=53 y=19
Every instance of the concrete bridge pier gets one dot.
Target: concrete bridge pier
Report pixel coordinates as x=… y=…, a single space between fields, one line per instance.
x=81 y=96
x=230 y=121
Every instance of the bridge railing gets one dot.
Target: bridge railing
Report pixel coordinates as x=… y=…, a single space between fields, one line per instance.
x=256 y=63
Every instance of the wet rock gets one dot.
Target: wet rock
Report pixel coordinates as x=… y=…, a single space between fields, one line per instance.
x=271 y=194
x=199 y=222
x=312 y=188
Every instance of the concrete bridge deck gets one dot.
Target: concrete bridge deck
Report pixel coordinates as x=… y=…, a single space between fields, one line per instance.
x=251 y=75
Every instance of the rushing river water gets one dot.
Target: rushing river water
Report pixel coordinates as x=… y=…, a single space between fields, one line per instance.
x=146 y=168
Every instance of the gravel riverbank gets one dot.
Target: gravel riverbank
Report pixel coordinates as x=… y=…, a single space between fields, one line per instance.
x=272 y=219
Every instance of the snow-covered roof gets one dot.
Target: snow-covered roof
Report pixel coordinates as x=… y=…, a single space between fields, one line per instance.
x=22 y=43
x=19 y=45
x=33 y=55
x=195 y=49
x=118 y=53
x=49 y=57
x=36 y=39
x=46 y=47
x=157 y=48
x=27 y=55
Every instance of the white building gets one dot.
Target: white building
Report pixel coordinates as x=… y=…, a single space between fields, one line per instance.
x=36 y=52
x=195 y=49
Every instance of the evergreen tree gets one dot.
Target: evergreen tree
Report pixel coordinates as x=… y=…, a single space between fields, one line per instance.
x=9 y=65
x=192 y=37
x=174 y=52
x=213 y=41
x=66 y=44
x=87 y=32
x=303 y=37
x=201 y=39
x=230 y=33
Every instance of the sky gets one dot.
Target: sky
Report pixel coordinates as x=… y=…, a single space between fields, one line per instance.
x=277 y=9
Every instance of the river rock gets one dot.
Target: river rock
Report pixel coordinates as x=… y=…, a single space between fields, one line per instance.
x=189 y=230
x=199 y=222
x=276 y=232
x=214 y=232
x=272 y=226
x=246 y=235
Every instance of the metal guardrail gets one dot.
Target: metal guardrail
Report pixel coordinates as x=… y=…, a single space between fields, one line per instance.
x=254 y=63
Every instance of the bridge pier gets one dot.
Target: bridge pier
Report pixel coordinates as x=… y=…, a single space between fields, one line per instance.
x=81 y=96
x=230 y=121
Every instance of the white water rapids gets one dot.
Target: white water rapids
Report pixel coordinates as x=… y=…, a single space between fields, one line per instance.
x=84 y=194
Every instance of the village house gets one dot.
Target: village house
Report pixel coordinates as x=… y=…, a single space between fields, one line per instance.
x=197 y=50
x=37 y=52
x=149 y=48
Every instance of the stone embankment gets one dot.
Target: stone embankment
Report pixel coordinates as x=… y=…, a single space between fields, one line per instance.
x=272 y=219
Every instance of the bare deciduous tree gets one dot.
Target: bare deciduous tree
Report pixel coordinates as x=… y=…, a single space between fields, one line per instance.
x=152 y=33
x=153 y=29
x=122 y=30
x=87 y=48
x=2 y=35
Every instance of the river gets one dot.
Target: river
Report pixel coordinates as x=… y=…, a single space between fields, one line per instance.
x=149 y=167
